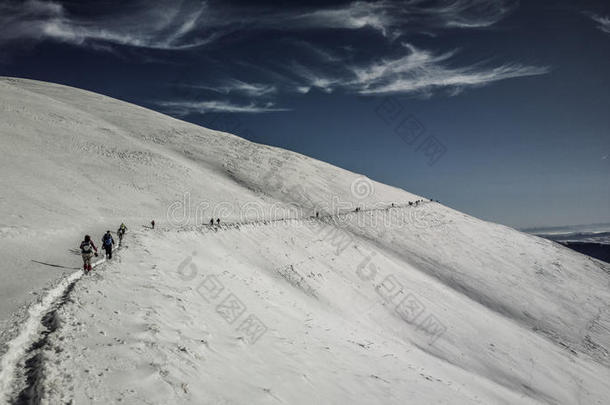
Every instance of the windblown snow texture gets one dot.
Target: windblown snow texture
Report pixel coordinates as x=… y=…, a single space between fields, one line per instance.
x=412 y=303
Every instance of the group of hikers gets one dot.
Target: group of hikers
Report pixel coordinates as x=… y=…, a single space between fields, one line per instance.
x=88 y=249
x=317 y=213
x=358 y=209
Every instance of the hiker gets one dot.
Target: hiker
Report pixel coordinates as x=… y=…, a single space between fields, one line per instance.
x=392 y=205
x=87 y=250
x=120 y=232
x=152 y=223
x=211 y=221
x=107 y=243
x=317 y=214
x=217 y=221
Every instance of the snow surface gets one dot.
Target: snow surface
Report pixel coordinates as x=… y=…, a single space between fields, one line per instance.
x=405 y=304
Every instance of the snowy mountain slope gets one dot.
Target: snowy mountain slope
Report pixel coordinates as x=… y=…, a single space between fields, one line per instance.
x=151 y=328
x=533 y=281
x=76 y=162
x=388 y=305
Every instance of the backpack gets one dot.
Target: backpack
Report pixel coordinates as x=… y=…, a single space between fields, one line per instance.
x=107 y=240
x=85 y=247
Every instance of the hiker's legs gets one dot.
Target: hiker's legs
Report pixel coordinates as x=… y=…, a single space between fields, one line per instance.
x=87 y=261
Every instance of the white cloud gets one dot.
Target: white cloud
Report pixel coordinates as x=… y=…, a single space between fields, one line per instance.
x=173 y=28
x=235 y=86
x=355 y=15
x=176 y=25
x=313 y=79
x=470 y=13
x=393 y=18
x=603 y=22
x=250 y=89
x=454 y=79
x=303 y=89
x=201 y=107
x=186 y=24
x=419 y=71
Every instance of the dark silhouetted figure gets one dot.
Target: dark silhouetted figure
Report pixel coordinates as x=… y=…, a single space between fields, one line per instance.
x=217 y=221
x=211 y=221
x=107 y=244
x=152 y=223
x=121 y=232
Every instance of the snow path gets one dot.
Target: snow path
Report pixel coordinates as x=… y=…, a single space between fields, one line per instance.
x=165 y=301
x=143 y=330
x=328 y=218
x=151 y=339
x=32 y=330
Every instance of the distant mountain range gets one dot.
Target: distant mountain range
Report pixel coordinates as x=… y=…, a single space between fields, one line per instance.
x=592 y=240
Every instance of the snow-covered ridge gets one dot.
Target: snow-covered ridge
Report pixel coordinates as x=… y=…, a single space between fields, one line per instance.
x=412 y=303
x=75 y=161
x=17 y=351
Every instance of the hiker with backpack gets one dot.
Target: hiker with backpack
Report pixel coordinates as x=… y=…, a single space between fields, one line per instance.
x=107 y=243
x=120 y=232
x=87 y=251
x=152 y=224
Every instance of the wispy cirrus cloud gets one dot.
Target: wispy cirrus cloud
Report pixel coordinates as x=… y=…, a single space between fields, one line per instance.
x=249 y=89
x=147 y=27
x=602 y=21
x=26 y=19
x=355 y=15
x=464 y=13
x=187 y=24
x=419 y=71
x=422 y=70
x=183 y=108
x=236 y=87
x=391 y=18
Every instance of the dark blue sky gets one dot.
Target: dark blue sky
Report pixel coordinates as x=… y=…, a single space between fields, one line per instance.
x=496 y=108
